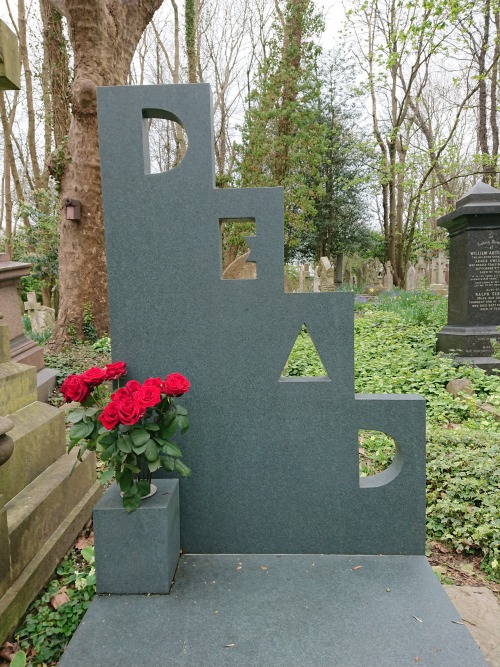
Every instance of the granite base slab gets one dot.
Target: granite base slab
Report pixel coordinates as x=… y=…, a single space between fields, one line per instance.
x=281 y=611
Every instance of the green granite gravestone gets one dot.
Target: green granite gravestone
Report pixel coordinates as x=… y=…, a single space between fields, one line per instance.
x=275 y=460
x=275 y=508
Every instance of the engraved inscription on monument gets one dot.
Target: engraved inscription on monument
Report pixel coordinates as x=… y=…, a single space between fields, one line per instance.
x=484 y=270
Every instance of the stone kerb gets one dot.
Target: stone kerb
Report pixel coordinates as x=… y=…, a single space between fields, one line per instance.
x=42 y=505
x=276 y=461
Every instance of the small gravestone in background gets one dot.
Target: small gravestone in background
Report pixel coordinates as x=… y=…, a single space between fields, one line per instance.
x=474 y=279
x=42 y=318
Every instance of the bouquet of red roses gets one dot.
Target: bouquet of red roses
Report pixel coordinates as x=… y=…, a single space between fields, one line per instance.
x=132 y=431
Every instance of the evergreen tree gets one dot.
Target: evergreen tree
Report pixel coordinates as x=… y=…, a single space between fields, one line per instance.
x=341 y=221
x=283 y=138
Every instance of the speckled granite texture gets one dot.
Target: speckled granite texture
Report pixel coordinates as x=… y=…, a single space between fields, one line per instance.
x=281 y=611
x=275 y=463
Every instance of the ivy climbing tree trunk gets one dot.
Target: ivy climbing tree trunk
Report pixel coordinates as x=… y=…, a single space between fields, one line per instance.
x=104 y=35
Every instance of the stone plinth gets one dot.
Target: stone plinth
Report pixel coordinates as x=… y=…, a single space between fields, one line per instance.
x=23 y=349
x=474 y=283
x=137 y=553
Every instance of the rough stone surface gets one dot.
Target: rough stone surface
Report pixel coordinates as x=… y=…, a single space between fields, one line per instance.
x=17 y=386
x=281 y=611
x=275 y=462
x=39 y=440
x=460 y=386
x=6 y=448
x=37 y=511
x=4 y=553
x=138 y=552
x=15 y=601
x=6 y=424
x=4 y=343
x=480 y=611
x=491 y=410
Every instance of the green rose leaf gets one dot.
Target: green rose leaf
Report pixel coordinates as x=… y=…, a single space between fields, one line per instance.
x=108 y=439
x=154 y=465
x=181 y=410
x=167 y=431
x=172 y=449
x=75 y=415
x=143 y=487
x=106 y=476
x=80 y=430
x=182 y=468
x=139 y=450
x=167 y=463
x=125 y=480
x=107 y=453
x=183 y=423
x=151 y=452
x=131 y=503
x=124 y=445
x=152 y=427
x=139 y=436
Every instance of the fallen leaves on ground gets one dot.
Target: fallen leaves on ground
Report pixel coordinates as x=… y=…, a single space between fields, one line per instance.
x=61 y=597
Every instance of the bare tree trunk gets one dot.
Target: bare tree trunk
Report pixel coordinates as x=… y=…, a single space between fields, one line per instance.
x=56 y=52
x=40 y=177
x=482 y=131
x=104 y=35
x=191 y=21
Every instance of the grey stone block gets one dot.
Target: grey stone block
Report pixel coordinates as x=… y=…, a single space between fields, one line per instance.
x=138 y=552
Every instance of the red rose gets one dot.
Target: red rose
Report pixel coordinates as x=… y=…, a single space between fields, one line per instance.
x=75 y=389
x=115 y=370
x=132 y=386
x=120 y=394
x=155 y=382
x=147 y=396
x=175 y=385
x=110 y=416
x=94 y=376
x=129 y=411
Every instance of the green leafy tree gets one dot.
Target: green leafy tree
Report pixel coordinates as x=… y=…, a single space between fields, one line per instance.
x=283 y=138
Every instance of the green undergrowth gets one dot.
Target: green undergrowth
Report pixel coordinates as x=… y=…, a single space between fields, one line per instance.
x=77 y=358
x=54 y=616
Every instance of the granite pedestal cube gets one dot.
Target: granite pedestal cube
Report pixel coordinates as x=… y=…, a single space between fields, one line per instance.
x=137 y=553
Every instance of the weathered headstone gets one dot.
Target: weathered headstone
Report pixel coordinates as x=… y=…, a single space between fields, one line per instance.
x=474 y=282
x=23 y=350
x=326 y=275
x=411 y=278
x=42 y=318
x=388 y=277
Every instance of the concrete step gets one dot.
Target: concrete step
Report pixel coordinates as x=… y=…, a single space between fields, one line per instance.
x=36 y=512
x=39 y=440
